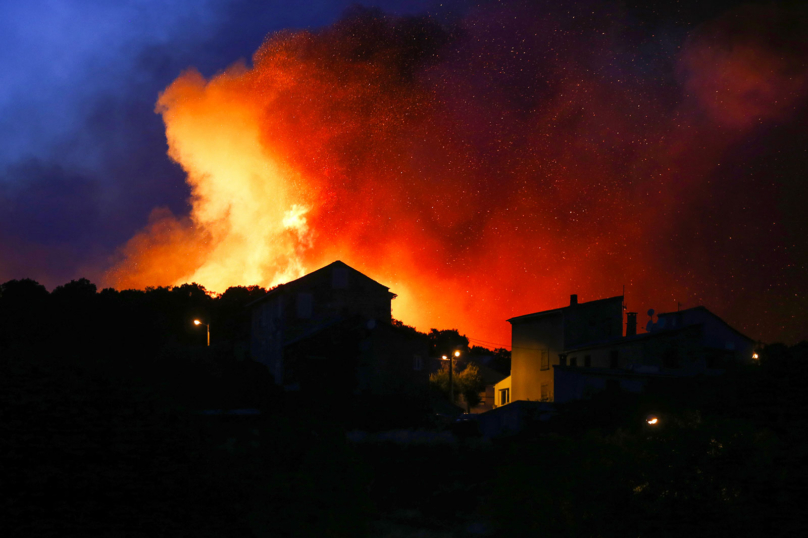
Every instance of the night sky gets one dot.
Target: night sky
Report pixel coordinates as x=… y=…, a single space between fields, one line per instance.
x=484 y=160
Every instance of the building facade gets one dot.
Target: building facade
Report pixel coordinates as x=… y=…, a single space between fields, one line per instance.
x=572 y=352
x=306 y=305
x=539 y=340
x=332 y=330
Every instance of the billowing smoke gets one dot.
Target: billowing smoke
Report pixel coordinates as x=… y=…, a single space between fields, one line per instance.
x=483 y=168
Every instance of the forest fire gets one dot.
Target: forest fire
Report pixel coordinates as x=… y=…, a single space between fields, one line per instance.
x=482 y=170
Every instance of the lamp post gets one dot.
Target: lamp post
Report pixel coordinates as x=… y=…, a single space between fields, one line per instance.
x=207 y=326
x=451 y=384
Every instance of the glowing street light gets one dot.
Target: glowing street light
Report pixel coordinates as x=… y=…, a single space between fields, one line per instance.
x=197 y=322
x=652 y=420
x=451 y=384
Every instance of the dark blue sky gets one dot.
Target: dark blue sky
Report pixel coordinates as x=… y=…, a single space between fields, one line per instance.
x=82 y=153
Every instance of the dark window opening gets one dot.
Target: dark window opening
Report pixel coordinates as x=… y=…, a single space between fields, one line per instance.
x=614 y=355
x=670 y=358
x=587 y=361
x=573 y=361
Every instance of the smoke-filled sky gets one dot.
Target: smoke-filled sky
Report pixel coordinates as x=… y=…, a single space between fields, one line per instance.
x=484 y=160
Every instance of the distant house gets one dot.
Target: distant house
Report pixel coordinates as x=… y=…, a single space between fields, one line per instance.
x=571 y=352
x=502 y=392
x=335 y=325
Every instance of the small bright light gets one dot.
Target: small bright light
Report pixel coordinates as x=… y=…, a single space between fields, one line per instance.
x=755 y=356
x=197 y=322
x=445 y=358
x=652 y=420
x=457 y=353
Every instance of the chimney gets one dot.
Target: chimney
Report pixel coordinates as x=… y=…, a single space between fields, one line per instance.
x=573 y=299
x=631 y=324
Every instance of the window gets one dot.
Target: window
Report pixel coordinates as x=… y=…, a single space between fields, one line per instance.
x=573 y=361
x=504 y=396
x=545 y=360
x=417 y=363
x=545 y=393
x=587 y=361
x=562 y=359
x=304 y=301
x=670 y=356
x=614 y=355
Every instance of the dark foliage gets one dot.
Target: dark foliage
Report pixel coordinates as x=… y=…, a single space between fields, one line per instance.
x=446 y=342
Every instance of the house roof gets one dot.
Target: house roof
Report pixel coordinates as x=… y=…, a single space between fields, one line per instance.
x=300 y=281
x=704 y=309
x=658 y=333
x=563 y=308
x=617 y=340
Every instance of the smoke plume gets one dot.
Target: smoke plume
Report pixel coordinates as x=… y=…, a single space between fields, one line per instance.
x=483 y=168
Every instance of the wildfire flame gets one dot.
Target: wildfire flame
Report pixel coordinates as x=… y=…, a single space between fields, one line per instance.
x=473 y=172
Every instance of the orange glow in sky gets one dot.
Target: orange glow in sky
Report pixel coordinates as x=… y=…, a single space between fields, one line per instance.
x=479 y=180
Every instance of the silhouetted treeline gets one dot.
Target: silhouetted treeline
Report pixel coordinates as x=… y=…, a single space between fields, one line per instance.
x=144 y=335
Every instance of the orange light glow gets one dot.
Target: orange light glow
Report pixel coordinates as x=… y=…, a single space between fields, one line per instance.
x=652 y=420
x=472 y=205
x=197 y=322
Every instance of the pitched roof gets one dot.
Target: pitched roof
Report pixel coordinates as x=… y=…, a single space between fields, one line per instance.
x=294 y=283
x=559 y=310
x=705 y=309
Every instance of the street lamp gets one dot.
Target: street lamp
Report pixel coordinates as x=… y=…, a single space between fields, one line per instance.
x=197 y=322
x=451 y=384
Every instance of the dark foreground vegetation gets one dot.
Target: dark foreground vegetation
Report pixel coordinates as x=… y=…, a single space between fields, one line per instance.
x=102 y=433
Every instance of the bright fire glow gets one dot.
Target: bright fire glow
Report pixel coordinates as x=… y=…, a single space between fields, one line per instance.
x=475 y=182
